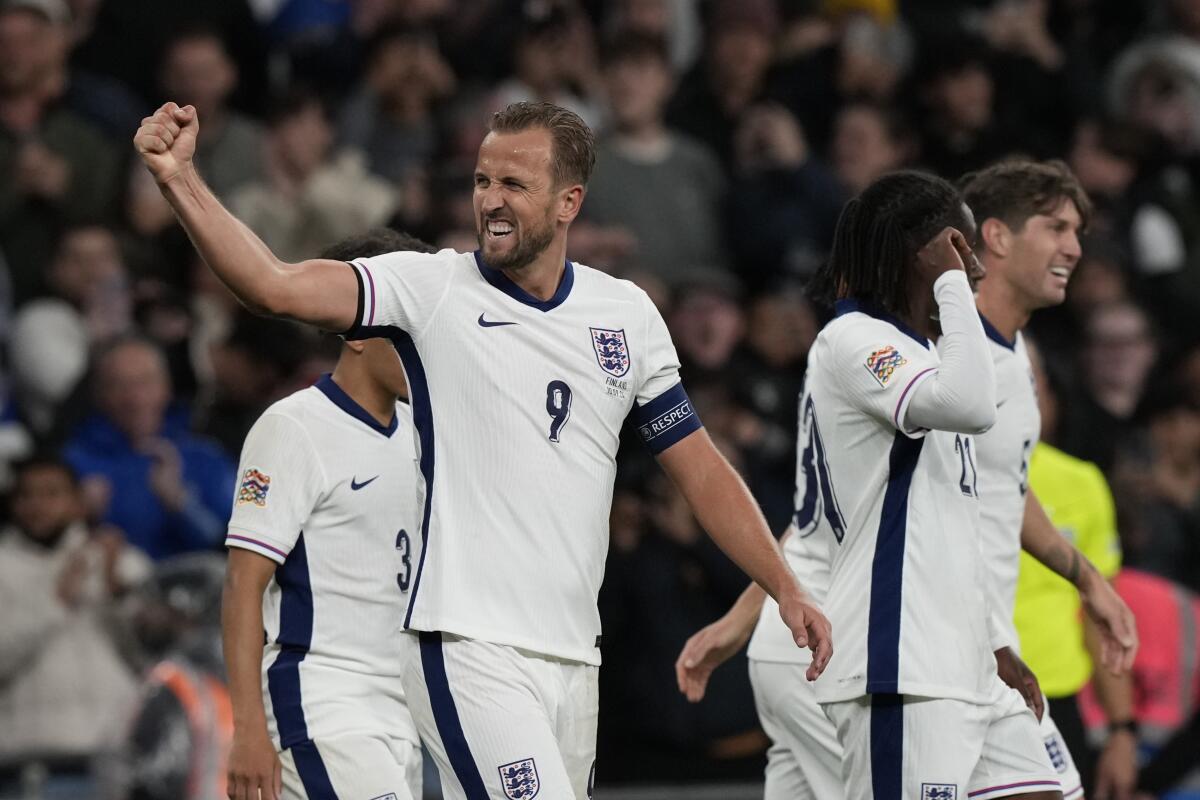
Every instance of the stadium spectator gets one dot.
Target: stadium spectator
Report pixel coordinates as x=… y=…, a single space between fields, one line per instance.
x=869 y=139
x=663 y=188
x=64 y=687
x=548 y=65
x=390 y=114
x=109 y=48
x=197 y=69
x=312 y=194
x=167 y=489
x=961 y=130
x=52 y=337
x=676 y=22
x=783 y=204
x=729 y=78
x=1158 y=472
x=105 y=103
x=175 y=743
x=1118 y=353
x=58 y=167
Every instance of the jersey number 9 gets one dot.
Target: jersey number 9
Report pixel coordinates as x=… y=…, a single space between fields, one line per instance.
x=558 y=406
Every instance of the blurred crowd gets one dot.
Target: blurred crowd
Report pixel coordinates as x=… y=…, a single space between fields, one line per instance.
x=730 y=133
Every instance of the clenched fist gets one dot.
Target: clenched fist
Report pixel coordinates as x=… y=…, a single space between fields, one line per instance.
x=167 y=140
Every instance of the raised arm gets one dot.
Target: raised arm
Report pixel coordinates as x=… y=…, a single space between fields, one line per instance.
x=1113 y=620
x=319 y=292
x=726 y=510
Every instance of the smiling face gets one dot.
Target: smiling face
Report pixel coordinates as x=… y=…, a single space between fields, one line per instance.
x=517 y=204
x=1043 y=254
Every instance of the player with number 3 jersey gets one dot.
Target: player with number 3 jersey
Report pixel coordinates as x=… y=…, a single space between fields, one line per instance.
x=321 y=540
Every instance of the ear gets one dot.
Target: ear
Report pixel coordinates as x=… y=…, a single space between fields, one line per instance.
x=570 y=202
x=996 y=237
x=356 y=346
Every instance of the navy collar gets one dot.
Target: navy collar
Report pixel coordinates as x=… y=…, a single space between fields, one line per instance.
x=346 y=403
x=995 y=335
x=849 y=305
x=505 y=284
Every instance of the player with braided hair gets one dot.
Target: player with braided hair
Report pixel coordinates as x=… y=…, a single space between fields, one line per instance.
x=886 y=528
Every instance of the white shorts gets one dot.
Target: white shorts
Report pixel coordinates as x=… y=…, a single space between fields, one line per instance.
x=805 y=759
x=502 y=723
x=360 y=767
x=1060 y=759
x=900 y=747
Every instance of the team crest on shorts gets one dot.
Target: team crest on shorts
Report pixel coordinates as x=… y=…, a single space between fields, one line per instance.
x=254 y=488
x=883 y=362
x=1057 y=753
x=612 y=353
x=520 y=780
x=939 y=791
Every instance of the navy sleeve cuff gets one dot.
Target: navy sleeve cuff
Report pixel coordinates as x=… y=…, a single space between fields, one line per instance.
x=666 y=419
x=355 y=330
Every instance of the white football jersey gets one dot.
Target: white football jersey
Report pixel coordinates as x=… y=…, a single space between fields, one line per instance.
x=1003 y=458
x=331 y=495
x=518 y=405
x=899 y=512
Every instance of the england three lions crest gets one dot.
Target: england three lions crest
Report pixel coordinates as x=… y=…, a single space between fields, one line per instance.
x=520 y=780
x=611 y=351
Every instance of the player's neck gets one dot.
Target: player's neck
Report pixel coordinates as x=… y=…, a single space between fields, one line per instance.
x=375 y=399
x=542 y=276
x=1001 y=305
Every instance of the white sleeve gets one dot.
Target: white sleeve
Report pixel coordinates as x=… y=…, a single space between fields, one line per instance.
x=662 y=412
x=399 y=290
x=878 y=366
x=280 y=481
x=996 y=630
x=961 y=395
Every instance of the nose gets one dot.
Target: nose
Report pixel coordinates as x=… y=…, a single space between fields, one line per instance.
x=1071 y=247
x=490 y=199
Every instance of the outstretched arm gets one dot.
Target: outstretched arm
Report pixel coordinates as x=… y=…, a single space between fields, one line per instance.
x=1114 y=623
x=724 y=507
x=320 y=292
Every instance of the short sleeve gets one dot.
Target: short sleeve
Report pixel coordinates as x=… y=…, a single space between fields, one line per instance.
x=399 y=290
x=1098 y=540
x=662 y=412
x=279 y=484
x=879 y=367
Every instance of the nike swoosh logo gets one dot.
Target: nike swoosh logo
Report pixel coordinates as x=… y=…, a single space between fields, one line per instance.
x=355 y=485
x=483 y=323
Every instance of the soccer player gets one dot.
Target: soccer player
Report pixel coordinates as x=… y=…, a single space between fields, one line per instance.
x=887 y=487
x=1029 y=215
x=522 y=368
x=325 y=521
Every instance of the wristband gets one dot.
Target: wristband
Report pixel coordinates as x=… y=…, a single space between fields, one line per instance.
x=1129 y=725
